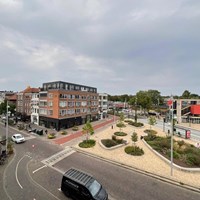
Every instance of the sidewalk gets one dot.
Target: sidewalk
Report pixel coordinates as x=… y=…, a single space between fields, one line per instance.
x=149 y=162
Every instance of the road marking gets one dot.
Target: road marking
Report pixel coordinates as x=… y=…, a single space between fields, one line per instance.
x=16 y=176
x=39 y=169
x=58 y=156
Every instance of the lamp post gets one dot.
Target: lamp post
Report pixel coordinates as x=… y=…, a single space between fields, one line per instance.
x=172 y=131
x=7 y=106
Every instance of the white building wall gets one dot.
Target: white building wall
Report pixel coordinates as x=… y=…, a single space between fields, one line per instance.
x=103 y=105
x=35 y=108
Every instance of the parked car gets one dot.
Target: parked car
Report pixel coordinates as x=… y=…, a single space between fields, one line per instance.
x=18 y=138
x=79 y=185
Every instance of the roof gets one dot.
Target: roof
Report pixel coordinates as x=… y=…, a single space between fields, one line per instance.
x=31 y=90
x=12 y=98
x=78 y=176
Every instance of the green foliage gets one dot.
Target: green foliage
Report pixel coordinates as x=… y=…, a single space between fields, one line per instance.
x=134 y=137
x=120 y=134
x=112 y=142
x=152 y=121
x=121 y=125
x=185 y=153
x=134 y=150
x=144 y=100
x=87 y=143
x=150 y=131
x=51 y=135
x=63 y=133
x=136 y=124
x=88 y=130
x=75 y=128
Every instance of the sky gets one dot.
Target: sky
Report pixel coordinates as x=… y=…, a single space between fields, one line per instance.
x=117 y=46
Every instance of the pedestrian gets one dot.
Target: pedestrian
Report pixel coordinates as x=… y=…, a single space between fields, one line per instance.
x=46 y=131
x=112 y=126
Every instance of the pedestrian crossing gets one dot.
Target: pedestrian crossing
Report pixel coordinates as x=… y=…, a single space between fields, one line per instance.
x=58 y=156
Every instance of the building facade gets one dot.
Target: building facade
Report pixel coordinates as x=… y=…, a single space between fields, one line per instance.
x=103 y=105
x=63 y=105
x=23 y=107
x=35 y=108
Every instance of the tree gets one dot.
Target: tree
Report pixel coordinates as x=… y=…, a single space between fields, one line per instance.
x=134 y=137
x=152 y=121
x=88 y=130
x=121 y=119
x=143 y=100
x=185 y=95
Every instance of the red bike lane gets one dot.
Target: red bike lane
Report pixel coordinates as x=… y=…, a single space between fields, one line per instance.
x=79 y=133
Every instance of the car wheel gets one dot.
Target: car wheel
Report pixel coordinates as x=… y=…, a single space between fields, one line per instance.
x=67 y=193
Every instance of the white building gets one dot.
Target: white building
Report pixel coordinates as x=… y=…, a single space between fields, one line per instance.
x=35 y=108
x=103 y=105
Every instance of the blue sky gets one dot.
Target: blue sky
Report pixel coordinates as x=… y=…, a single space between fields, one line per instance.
x=118 y=46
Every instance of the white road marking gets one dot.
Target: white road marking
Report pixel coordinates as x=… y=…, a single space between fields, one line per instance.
x=39 y=168
x=16 y=176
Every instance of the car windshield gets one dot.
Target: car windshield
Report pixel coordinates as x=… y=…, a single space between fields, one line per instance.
x=94 y=188
x=18 y=136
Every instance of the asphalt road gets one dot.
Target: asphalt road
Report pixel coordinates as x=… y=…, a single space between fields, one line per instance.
x=27 y=177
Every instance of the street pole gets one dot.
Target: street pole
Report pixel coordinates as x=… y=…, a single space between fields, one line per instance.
x=163 y=124
x=172 y=131
x=6 y=126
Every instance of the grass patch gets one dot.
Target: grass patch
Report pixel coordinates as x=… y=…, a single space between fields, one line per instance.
x=120 y=133
x=87 y=143
x=134 y=151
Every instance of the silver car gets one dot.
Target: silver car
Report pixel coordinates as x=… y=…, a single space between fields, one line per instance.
x=18 y=138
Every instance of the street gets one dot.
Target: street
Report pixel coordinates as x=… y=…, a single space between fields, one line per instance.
x=31 y=175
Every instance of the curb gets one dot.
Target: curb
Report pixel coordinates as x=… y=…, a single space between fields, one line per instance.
x=161 y=178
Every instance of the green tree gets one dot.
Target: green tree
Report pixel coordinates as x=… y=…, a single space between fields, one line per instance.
x=88 y=130
x=144 y=100
x=134 y=137
x=152 y=121
x=185 y=95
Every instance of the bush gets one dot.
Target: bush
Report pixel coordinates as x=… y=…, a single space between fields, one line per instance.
x=63 y=132
x=51 y=135
x=75 y=128
x=150 y=131
x=136 y=124
x=181 y=143
x=109 y=143
x=121 y=125
x=87 y=143
x=193 y=159
x=120 y=134
x=134 y=150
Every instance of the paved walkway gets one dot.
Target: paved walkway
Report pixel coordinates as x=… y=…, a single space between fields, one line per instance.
x=149 y=162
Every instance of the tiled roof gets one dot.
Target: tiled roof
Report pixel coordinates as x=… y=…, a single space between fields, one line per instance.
x=31 y=90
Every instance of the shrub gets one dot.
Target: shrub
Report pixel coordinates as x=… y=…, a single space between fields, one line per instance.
x=150 y=131
x=193 y=159
x=63 y=132
x=75 y=128
x=120 y=134
x=121 y=125
x=87 y=143
x=136 y=124
x=181 y=143
x=114 y=137
x=109 y=143
x=51 y=135
x=134 y=150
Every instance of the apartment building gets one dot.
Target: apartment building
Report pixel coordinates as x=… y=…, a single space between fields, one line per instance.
x=63 y=105
x=103 y=105
x=35 y=107
x=187 y=110
x=24 y=98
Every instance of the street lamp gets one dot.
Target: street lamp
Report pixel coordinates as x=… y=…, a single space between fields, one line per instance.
x=172 y=131
x=7 y=106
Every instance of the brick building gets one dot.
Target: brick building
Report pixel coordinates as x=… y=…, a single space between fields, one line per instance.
x=63 y=105
x=24 y=98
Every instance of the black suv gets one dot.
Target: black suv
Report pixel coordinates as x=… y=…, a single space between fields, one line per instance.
x=79 y=185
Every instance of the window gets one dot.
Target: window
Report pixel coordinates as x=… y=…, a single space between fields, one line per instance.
x=62 y=103
x=50 y=112
x=50 y=95
x=50 y=103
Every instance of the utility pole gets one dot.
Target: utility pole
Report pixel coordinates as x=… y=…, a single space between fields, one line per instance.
x=7 y=126
x=172 y=133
